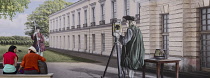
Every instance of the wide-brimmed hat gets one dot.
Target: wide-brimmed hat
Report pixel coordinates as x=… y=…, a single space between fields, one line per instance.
x=32 y=48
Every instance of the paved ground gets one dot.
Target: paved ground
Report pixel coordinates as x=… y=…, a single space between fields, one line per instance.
x=86 y=70
x=96 y=70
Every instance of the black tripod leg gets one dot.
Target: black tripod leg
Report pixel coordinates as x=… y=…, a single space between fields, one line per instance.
x=118 y=61
x=108 y=60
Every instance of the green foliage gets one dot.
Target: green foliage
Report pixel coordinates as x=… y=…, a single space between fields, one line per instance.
x=39 y=17
x=9 y=8
x=15 y=40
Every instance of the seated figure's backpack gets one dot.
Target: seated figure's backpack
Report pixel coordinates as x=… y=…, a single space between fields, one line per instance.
x=42 y=67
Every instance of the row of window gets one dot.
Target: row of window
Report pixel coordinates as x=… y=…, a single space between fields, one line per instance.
x=59 y=38
x=59 y=23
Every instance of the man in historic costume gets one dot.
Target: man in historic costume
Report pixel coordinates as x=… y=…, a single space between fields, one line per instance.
x=133 y=50
x=38 y=41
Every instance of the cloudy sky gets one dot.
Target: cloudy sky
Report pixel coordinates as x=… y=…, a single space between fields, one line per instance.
x=16 y=26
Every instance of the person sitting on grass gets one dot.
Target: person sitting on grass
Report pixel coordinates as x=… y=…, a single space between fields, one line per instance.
x=10 y=60
x=30 y=61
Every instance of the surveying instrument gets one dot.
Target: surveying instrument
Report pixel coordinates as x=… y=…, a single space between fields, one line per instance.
x=116 y=32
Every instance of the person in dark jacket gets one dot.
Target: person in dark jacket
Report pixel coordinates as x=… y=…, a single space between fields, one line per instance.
x=10 y=61
x=132 y=56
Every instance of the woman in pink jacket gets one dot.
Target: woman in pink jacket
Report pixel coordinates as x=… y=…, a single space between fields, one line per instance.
x=10 y=60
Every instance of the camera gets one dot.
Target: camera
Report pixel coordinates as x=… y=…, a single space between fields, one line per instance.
x=116 y=27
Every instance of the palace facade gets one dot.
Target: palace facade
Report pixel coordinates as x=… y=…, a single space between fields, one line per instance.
x=180 y=27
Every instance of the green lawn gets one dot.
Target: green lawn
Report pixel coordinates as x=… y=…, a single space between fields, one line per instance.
x=49 y=55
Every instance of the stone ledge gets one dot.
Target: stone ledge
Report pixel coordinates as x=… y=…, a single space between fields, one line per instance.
x=49 y=75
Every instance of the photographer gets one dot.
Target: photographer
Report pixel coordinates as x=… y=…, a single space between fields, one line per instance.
x=132 y=56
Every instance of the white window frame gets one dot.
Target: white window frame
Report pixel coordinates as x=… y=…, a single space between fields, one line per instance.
x=165 y=33
x=73 y=19
x=102 y=11
x=138 y=8
x=85 y=16
x=126 y=7
x=79 y=42
x=103 y=42
x=93 y=14
x=73 y=36
x=64 y=21
x=79 y=18
x=114 y=8
x=68 y=18
x=93 y=42
x=60 y=22
x=85 y=41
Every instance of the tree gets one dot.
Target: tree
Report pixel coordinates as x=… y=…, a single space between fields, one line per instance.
x=9 y=8
x=39 y=17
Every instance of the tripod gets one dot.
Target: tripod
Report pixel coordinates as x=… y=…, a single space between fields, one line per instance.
x=117 y=48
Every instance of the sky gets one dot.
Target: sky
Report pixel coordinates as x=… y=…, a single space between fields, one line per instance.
x=16 y=26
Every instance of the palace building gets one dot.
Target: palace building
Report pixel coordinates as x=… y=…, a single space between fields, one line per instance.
x=180 y=27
